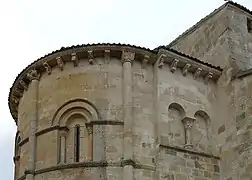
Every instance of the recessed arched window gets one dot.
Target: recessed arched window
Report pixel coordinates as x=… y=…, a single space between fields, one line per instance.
x=77 y=143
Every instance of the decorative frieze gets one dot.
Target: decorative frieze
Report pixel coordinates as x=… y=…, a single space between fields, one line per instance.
x=185 y=69
x=74 y=59
x=47 y=68
x=33 y=75
x=60 y=63
x=174 y=65
x=90 y=57
x=145 y=61
x=197 y=73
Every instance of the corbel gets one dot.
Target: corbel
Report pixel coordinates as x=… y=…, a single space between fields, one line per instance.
x=160 y=60
x=185 y=69
x=60 y=63
x=90 y=57
x=107 y=55
x=208 y=77
x=23 y=84
x=174 y=65
x=74 y=59
x=197 y=73
x=47 y=67
x=145 y=61
x=15 y=99
x=33 y=75
x=18 y=92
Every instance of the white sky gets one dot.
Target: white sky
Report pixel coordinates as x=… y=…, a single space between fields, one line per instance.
x=31 y=29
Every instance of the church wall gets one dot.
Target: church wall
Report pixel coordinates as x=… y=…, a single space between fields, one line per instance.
x=174 y=161
x=204 y=41
x=92 y=96
x=176 y=164
x=236 y=151
x=98 y=84
x=227 y=29
x=143 y=114
x=193 y=96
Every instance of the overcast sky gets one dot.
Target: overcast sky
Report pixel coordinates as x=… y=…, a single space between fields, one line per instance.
x=31 y=29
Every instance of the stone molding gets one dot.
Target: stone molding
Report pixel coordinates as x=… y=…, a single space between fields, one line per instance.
x=189 y=151
x=88 y=164
x=57 y=127
x=57 y=59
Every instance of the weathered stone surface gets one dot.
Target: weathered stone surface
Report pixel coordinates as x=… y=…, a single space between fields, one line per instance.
x=124 y=112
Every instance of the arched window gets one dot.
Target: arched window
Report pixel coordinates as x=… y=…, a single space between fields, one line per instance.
x=77 y=143
x=75 y=135
x=200 y=131
x=174 y=128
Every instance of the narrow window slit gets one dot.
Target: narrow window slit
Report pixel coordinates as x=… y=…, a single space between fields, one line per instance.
x=77 y=143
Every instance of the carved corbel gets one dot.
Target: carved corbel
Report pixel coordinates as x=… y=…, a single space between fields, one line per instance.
x=47 y=67
x=74 y=59
x=174 y=65
x=145 y=61
x=160 y=60
x=107 y=55
x=128 y=56
x=185 y=69
x=208 y=77
x=90 y=57
x=33 y=75
x=188 y=123
x=23 y=84
x=197 y=73
x=15 y=99
x=60 y=63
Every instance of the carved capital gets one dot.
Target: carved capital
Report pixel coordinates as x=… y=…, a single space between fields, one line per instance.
x=89 y=130
x=160 y=60
x=60 y=63
x=90 y=57
x=145 y=61
x=74 y=59
x=47 y=67
x=23 y=84
x=188 y=122
x=127 y=56
x=185 y=69
x=197 y=73
x=63 y=131
x=107 y=55
x=208 y=77
x=174 y=65
x=33 y=75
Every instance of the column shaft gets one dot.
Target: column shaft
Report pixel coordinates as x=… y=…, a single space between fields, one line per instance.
x=127 y=58
x=33 y=89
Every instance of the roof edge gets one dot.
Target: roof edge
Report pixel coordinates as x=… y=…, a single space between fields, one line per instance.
x=197 y=25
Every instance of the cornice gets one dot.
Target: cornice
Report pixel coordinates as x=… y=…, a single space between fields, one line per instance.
x=73 y=54
x=187 y=65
